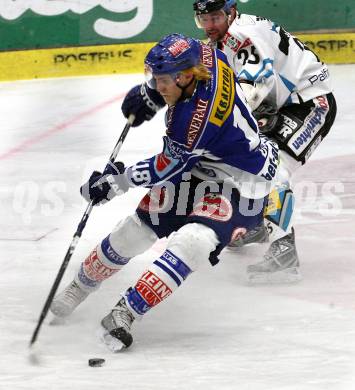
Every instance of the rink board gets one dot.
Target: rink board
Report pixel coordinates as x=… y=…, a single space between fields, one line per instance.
x=73 y=61
x=128 y=58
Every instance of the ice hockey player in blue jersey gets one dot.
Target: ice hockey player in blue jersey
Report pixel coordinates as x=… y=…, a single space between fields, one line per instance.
x=288 y=88
x=209 y=184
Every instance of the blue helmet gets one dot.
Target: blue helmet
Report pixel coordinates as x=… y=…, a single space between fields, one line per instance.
x=207 y=6
x=172 y=54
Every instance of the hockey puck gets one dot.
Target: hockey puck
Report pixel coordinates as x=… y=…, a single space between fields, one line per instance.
x=96 y=362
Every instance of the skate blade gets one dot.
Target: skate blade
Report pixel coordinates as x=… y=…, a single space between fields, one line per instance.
x=113 y=344
x=236 y=248
x=291 y=275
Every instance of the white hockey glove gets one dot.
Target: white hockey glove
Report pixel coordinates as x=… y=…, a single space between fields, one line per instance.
x=254 y=93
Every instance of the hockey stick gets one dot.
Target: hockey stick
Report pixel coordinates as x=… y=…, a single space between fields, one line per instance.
x=76 y=237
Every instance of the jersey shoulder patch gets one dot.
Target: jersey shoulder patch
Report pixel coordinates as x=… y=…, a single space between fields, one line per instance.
x=234 y=43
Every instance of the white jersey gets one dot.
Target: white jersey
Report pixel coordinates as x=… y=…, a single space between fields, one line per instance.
x=262 y=52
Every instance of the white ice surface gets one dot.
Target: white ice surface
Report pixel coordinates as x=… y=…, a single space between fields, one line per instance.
x=215 y=332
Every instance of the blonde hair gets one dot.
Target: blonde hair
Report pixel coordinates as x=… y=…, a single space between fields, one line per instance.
x=199 y=71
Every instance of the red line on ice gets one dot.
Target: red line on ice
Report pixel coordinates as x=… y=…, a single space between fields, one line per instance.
x=56 y=129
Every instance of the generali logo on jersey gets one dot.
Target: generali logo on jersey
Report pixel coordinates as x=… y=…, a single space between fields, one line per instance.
x=178 y=47
x=207 y=56
x=198 y=118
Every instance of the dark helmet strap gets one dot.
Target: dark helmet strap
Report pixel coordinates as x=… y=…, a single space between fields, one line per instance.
x=183 y=89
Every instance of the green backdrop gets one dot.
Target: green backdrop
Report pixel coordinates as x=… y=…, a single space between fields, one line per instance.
x=30 y=30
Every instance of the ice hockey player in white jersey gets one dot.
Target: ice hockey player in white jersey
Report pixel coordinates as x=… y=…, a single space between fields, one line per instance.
x=288 y=88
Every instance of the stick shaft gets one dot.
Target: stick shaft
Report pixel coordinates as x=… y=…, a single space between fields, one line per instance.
x=75 y=239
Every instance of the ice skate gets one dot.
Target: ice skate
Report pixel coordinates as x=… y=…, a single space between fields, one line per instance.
x=116 y=327
x=257 y=235
x=280 y=264
x=67 y=301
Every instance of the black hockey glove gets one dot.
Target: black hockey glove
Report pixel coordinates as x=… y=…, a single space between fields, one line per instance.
x=143 y=102
x=102 y=187
x=268 y=118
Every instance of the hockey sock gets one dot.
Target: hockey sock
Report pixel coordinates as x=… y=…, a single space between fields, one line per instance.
x=161 y=279
x=102 y=263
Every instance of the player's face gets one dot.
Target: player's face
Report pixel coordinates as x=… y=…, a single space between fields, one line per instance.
x=166 y=86
x=215 y=24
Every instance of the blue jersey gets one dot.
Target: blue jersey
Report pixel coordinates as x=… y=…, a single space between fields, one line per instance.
x=214 y=136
